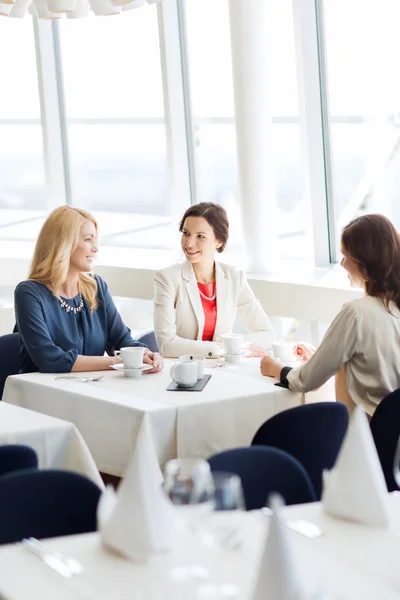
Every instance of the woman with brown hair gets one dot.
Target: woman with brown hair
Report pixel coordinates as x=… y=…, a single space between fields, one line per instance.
x=362 y=346
x=198 y=300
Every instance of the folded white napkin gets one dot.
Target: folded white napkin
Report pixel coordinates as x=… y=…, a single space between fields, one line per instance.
x=355 y=488
x=137 y=521
x=278 y=577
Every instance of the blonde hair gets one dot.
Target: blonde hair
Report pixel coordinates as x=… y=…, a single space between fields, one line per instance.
x=57 y=240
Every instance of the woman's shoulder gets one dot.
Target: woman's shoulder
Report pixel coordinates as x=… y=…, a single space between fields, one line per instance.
x=230 y=271
x=32 y=287
x=172 y=272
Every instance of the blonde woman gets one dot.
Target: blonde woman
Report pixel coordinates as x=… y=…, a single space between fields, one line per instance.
x=65 y=315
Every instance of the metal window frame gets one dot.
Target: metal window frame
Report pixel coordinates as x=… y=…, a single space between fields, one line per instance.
x=314 y=124
x=52 y=110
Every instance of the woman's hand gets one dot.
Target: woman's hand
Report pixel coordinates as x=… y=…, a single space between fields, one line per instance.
x=304 y=351
x=154 y=359
x=256 y=351
x=270 y=367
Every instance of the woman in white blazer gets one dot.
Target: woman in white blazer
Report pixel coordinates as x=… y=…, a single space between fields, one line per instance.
x=362 y=346
x=197 y=301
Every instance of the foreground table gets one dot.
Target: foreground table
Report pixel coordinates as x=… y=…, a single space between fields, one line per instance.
x=349 y=562
x=110 y=413
x=58 y=444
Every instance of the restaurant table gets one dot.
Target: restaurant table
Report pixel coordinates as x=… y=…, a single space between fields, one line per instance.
x=58 y=444
x=348 y=562
x=109 y=413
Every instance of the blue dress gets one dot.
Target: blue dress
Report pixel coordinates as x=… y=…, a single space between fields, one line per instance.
x=52 y=338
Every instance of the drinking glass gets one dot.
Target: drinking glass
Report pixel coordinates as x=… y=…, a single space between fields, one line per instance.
x=228 y=493
x=189 y=485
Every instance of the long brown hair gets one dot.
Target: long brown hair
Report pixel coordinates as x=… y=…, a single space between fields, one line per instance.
x=57 y=240
x=373 y=243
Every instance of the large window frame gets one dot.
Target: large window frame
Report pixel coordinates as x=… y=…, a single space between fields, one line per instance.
x=312 y=86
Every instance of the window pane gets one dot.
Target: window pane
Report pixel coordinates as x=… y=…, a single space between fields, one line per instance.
x=22 y=177
x=364 y=107
x=212 y=99
x=116 y=128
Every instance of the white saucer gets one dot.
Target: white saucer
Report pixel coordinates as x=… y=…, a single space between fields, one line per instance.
x=242 y=353
x=120 y=367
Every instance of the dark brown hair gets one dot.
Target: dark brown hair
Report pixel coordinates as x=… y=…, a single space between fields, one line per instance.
x=215 y=216
x=373 y=243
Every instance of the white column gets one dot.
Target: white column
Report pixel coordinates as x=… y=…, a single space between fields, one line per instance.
x=248 y=22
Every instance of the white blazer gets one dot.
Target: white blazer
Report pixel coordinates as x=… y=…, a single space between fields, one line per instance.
x=179 y=314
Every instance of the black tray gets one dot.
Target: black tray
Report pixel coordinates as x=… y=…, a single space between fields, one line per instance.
x=197 y=387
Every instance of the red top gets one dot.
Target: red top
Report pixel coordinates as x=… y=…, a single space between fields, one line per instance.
x=210 y=310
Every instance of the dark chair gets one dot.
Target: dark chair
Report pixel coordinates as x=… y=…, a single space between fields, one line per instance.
x=45 y=504
x=148 y=338
x=385 y=429
x=15 y=457
x=265 y=470
x=312 y=433
x=10 y=357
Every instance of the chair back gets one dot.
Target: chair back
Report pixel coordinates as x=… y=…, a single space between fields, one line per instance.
x=149 y=339
x=46 y=504
x=385 y=429
x=265 y=470
x=10 y=357
x=16 y=457
x=312 y=433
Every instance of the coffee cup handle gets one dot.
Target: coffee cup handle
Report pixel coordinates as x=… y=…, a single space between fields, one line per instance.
x=117 y=352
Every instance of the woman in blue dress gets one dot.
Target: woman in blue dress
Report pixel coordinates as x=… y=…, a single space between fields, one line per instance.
x=65 y=315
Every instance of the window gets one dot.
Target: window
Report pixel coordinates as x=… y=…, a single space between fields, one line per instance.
x=116 y=128
x=364 y=108
x=23 y=197
x=213 y=116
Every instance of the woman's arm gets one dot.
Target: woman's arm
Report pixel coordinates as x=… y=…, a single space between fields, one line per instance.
x=254 y=318
x=336 y=349
x=169 y=343
x=46 y=355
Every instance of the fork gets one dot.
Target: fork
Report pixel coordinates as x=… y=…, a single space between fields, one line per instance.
x=81 y=379
x=306 y=528
x=62 y=564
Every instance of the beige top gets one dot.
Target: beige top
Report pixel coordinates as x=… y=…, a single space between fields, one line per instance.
x=364 y=338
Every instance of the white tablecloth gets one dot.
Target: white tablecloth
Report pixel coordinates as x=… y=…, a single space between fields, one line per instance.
x=109 y=413
x=58 y=444
x=349 y=562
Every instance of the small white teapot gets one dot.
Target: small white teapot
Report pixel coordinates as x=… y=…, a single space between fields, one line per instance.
x=184 y=373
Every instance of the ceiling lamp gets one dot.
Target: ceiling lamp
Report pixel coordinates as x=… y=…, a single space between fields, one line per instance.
x=73 y=9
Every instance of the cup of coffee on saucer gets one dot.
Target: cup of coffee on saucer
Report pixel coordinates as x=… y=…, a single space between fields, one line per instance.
x=184 y=373
x=132 y=358
x=233 y=346
x=284 y=351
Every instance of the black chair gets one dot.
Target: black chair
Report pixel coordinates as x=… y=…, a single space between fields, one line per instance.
x=312 y=433
x=265 y=470
x=16 y=457
x=148 y=338
x=46 y=504
x=385 y=429
x=10 y=357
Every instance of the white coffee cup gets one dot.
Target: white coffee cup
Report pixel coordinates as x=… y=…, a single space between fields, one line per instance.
x=233 y=342
x=284 y=351
x=199 y=360
x=132 y=356
x=184 y=373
